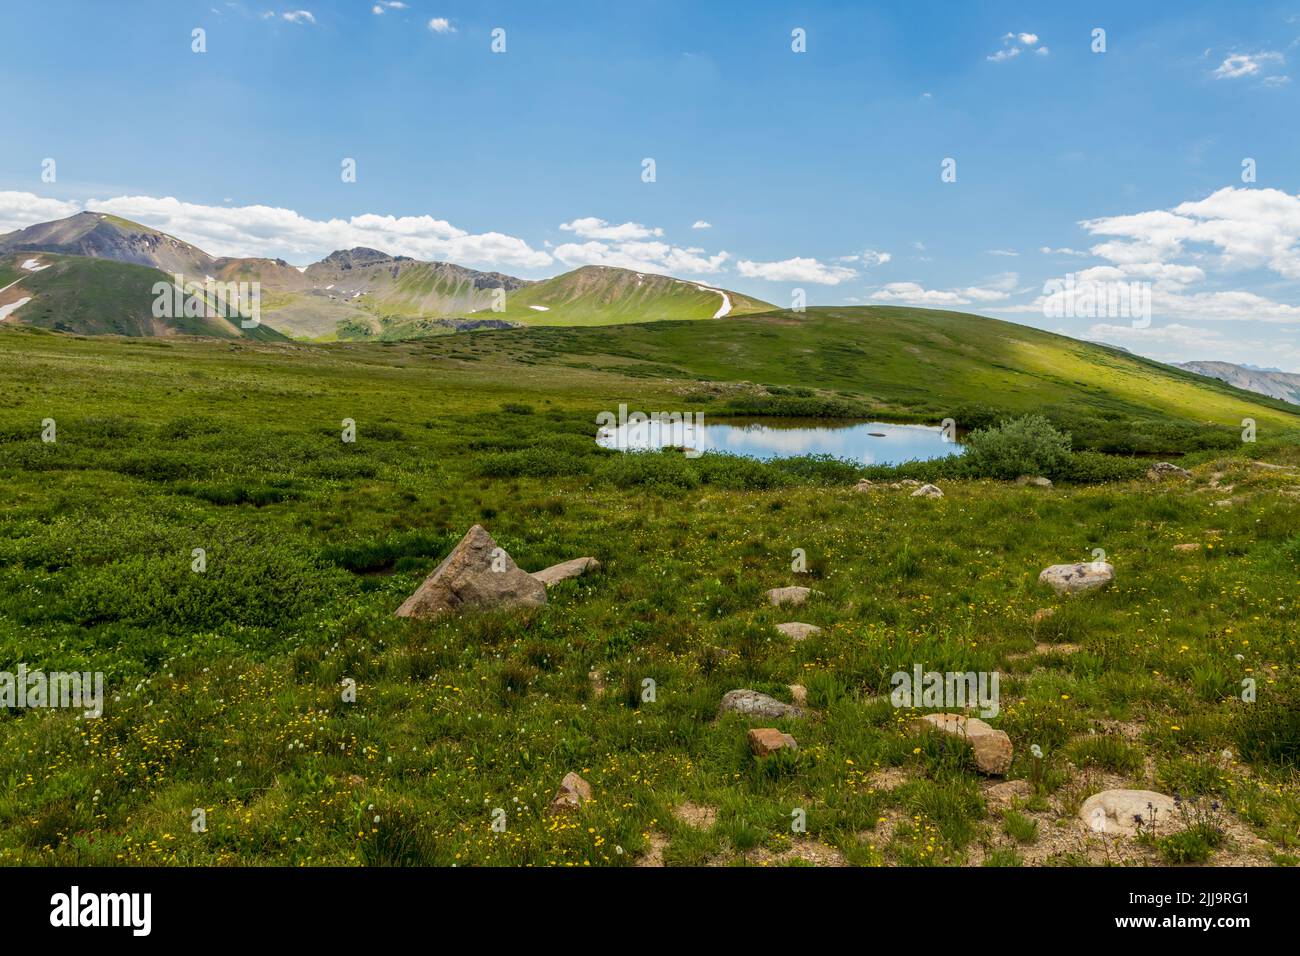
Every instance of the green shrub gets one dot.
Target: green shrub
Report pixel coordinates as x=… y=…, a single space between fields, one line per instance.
x=1029 y=445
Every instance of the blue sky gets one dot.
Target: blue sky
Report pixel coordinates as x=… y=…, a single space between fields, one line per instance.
x=818 y=170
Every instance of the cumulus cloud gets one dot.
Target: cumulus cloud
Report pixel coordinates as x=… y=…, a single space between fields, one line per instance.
x=701 y=224
x=380 y=8
x=274 y=232
x=798 y=269
x=19 y=210
x=1247 y=228
x=996 y=289
x=641 y=256
x=299 y=16
x=1247 y=64
x=441 y=25
x=590 y=227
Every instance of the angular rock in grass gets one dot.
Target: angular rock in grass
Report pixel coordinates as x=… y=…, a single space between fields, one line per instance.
x=1127 y=812
x=797 y=631
x=765 y=741
x=573 y=793
x=864 y=486
x=1189 y=546
x=1163 y=469
x=1077 y=578
x=754 y=704
x=791 y=595
x=1038 y=481
x=565 y=570
x=477 y=574
x=928 y=491
x=992 y=748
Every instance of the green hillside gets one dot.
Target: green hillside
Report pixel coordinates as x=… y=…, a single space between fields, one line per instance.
x=93 y=296
x=912 y=363
x=599 y=295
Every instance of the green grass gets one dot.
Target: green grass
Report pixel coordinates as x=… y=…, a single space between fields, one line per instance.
x=224 y=687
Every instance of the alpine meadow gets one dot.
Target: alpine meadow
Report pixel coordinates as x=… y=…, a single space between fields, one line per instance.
x=601 y=485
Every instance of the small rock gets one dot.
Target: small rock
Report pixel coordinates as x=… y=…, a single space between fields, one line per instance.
x=1037 y=481
x=798 y=631
x=1042 y=614
x=992 y=747
x=754 y=704
x=1077 y=578
x=864 y=486
x=927 y=491
x=1163 y=469
x=799 y=694
x=565 y=570
x=790 y=595
x=1127 y=811
x=1004 y=793
x=573 y=792
x=1190 y=546
x=764 y=741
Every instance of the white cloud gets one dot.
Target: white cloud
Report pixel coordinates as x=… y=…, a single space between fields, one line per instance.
x=701 y=224
x=441 y=25
x=1249 y=228
x=1247 y=64
x=798 y=269
x=299 y=16
x=1002 y=252
x=19 y=210
x=1062 y=251
x=1181 y=343
x=384 y=5
x=590 y=227
x=641 y=256
x=913 y=293
x=1014 y=43
x=282 y=233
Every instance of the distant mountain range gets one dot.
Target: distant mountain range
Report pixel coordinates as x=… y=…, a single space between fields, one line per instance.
x=1271 y=382
x=94 y=274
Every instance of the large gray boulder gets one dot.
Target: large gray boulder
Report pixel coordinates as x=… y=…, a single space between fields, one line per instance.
x=753 y=704
x=1077 y=578
x=477 y=574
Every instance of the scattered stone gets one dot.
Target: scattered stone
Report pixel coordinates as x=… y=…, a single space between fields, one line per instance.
x=565 y=570
x=798 y=631
x=1126 y=811
x=1077 y=578
x=927 y=491
x=905 y=483
x=1041 y=650
x=765 y=741
x=477 y=574
x=573 y=793
x=1163 y=469
x=799 y=694
x=864 y=486
x=992 y=747
x=1042 y=614
x=877 y=435
x=791 y=595
x=753 y=704
x=1037 y=481
x=1003 y=794
x=1190 y=546
x=696 y=816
